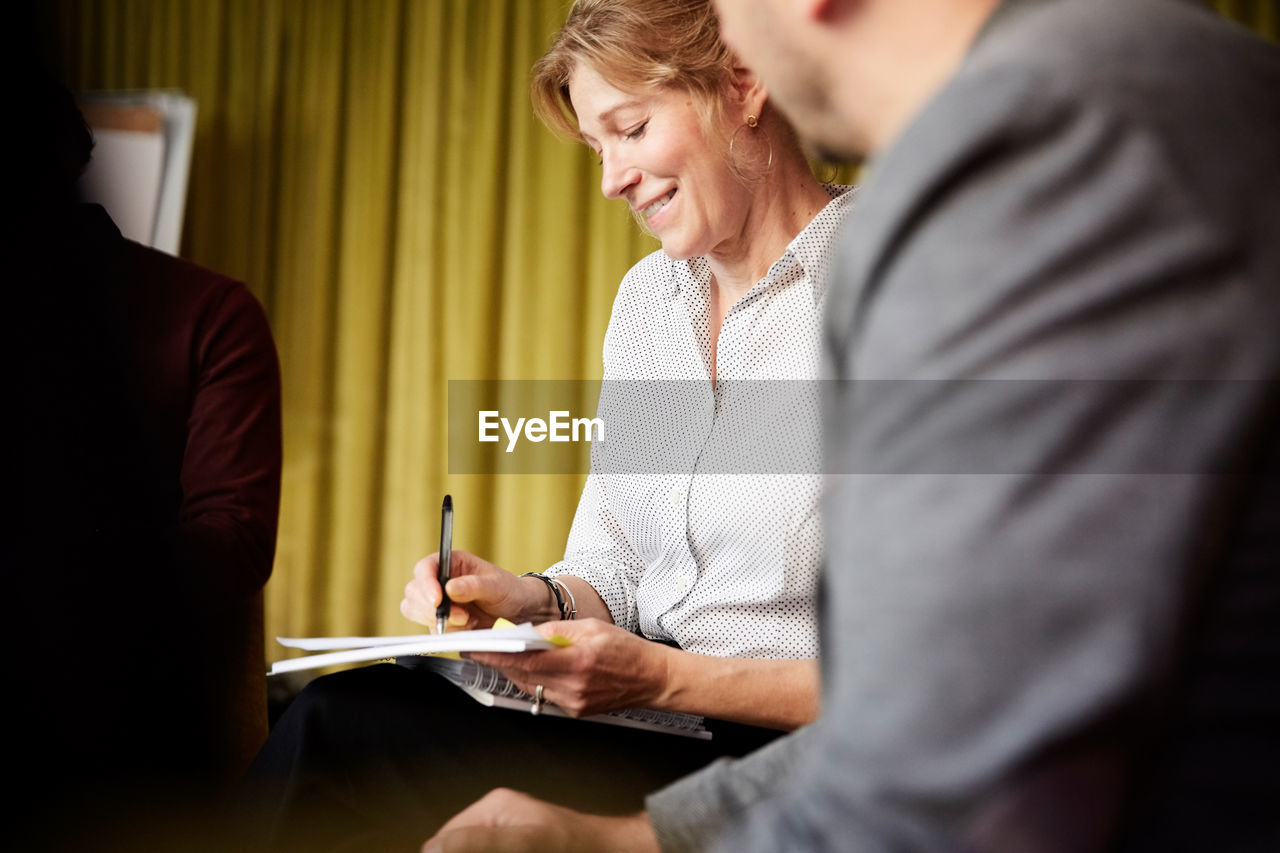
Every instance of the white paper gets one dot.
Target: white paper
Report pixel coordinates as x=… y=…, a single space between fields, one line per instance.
x=141 y=178
x=125 y=176
x=520 y=638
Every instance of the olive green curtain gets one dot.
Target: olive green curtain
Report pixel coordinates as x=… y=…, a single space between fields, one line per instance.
x=1262 y=15
x=372 y=169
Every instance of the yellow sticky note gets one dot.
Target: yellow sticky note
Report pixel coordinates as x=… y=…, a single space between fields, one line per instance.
x=506 y=623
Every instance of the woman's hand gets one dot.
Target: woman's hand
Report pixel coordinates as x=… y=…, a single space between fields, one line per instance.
x=603 y=668
x=479 y=593
x=512 y=822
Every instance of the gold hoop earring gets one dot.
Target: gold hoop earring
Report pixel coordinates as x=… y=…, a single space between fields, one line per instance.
x=733 y=163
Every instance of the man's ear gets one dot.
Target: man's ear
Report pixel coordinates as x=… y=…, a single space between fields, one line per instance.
x=748 y=91
x=828 y=11
x=814 y=10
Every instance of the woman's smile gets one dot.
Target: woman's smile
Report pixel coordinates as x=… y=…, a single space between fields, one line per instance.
x=654 y=211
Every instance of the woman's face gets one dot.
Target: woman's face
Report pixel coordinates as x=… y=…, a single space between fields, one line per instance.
x=655 y=154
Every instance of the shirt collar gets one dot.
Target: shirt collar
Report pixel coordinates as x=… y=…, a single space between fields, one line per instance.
x=689 y=275
x=811 y=249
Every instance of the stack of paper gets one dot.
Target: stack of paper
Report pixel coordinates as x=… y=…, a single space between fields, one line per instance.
x=340 y=650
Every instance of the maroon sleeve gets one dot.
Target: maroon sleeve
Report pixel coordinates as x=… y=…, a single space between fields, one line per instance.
x=232 y=460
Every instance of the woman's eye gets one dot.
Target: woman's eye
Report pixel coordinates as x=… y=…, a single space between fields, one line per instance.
x=637 y=132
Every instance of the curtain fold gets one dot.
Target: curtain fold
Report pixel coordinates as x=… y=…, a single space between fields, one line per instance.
x=373 y=171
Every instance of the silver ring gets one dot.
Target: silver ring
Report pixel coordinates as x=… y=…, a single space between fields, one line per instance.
x=536 y=707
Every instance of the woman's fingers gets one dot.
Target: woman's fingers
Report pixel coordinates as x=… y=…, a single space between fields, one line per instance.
x=484 y=591
x=602 y=669
x=469 y=588
x=427 y=569
x=490 y=589
x=422 y=594
x=559 y=671
x=424 y=588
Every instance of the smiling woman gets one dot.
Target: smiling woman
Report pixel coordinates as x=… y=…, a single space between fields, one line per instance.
x=659 y=156
x=694 y=591
x=688 y=140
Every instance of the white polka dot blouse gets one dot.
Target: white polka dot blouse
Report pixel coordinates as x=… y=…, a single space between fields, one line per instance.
x=720 y=563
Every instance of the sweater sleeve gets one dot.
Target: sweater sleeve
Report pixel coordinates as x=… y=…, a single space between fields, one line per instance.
x=232 y=461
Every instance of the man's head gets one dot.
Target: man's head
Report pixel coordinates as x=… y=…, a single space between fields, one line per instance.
x=776 y=40
x=850 y=74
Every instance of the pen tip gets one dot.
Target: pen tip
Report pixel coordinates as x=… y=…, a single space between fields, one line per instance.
x=440 y=625
x=448 y=501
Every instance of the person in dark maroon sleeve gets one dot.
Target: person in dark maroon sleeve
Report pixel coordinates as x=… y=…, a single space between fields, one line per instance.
x=143 y=459
x=204 y=369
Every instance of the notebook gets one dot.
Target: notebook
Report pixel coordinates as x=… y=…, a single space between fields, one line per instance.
x=483 y=683
x=490 y=687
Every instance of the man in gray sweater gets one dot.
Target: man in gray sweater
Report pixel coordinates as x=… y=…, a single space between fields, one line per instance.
x=1053 y=524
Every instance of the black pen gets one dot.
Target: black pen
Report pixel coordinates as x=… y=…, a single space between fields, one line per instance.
x=446 y=556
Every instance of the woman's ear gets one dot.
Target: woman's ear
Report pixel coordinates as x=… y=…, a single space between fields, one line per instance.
x=748 y=91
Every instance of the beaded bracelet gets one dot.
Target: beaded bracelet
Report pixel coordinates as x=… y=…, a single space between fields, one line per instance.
x=551 y=585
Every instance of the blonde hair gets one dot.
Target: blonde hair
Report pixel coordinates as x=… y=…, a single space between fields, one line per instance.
x=635 y=45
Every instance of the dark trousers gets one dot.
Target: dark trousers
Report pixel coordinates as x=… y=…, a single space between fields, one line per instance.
x=380 y=757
